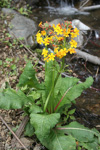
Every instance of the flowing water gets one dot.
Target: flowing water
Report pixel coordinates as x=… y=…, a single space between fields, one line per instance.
x=89 y=103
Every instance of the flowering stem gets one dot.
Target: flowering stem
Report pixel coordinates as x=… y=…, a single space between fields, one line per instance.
x=51 y=93
x=61 y=68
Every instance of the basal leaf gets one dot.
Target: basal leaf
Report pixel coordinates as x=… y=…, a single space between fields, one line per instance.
x=90 y=146
x=43 y=123
x=80 y=133
x=10 y=99
x=28 y=78
x=66 y=83
x=62 y=142
x=73 y=91
x=35 y=109
x=58 y=141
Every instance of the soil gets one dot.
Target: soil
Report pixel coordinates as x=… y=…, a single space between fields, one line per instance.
x=13 y=58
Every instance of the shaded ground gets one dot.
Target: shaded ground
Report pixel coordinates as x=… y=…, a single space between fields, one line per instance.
x=13 y=58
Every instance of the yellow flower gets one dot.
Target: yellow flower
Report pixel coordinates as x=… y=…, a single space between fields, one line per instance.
x=61 y=53
x=73 y=35
x=46 y=41
x=60 y=38
x=73 y=43
x=38 y=34
x=56 y=50
x=58 y=29
x=40 y=24
x=51 y=56
x=71 y=50
x=40 y=40
x=66 y=32
x=76 y=31
x=46 y=59
x=44 y=52
x=43 y=32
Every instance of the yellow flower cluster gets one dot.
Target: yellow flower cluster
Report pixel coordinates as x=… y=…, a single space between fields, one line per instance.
x=60 y=37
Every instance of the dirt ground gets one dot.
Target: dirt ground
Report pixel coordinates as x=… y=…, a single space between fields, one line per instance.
x=13 y=58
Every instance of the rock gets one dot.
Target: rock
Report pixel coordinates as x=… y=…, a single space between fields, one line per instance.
x=9 y=11
x=56 y=21
x=79 y=39
x=82 y=28
x=22 y=27
x=27 y=142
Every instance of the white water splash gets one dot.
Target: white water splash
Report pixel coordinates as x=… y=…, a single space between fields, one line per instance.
x=48 y=3
x=65 y=9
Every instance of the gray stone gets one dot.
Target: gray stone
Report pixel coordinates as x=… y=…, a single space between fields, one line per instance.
x=9 y=11
x=79 y=39
x=80 y=25
x=21 y=27
x=82 y=29
x=56 y=21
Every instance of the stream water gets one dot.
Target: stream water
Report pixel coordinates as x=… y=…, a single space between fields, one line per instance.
x=88 y=105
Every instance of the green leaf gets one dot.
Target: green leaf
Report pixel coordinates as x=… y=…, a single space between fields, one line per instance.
x=43 y=123
x=90 y=146
x=13 y=67
x=80 y=133
x=35 y=95
x=71 y=112
x=29 y=130
x=10 y=99
x=50 y=68
x=72 y=90
x=58 y=141
x=35 y=109
x=28 y=77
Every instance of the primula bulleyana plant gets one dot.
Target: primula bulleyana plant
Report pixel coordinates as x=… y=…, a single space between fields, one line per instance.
x=46 y=102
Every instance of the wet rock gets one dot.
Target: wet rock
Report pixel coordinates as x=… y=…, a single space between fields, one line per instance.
x=21 y=27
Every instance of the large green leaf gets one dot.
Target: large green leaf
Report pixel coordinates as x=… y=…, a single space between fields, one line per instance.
x=80 y=133
x=10 y=99
x=73 y=90
x=43 y=123
x=90 y=146
x=66 y=83
x=28 y=77
x=57 y=141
